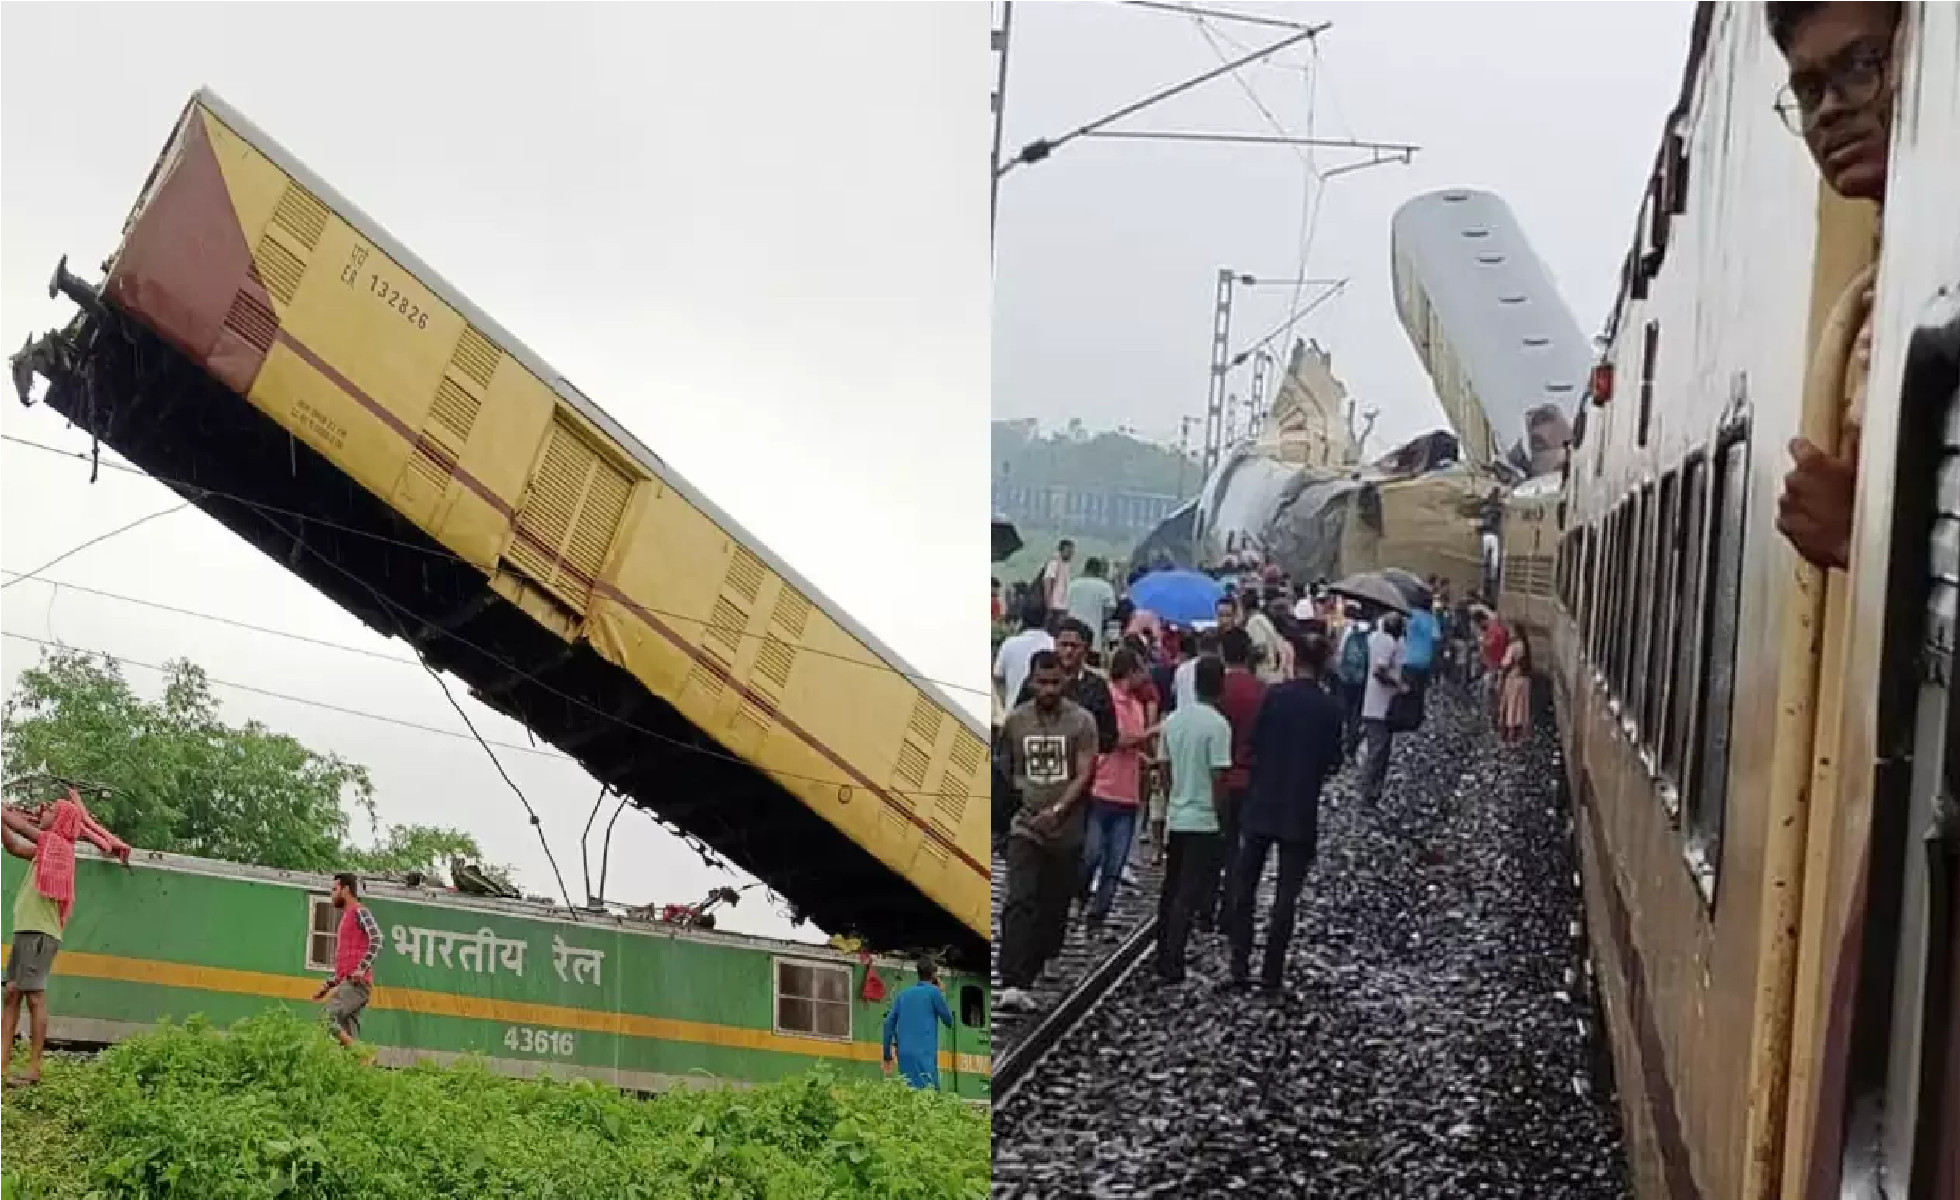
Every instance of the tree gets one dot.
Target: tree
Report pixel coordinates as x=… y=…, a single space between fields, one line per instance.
x=183 y=781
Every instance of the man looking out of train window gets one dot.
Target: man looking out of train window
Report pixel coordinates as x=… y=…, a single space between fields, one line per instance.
x=1839 y=100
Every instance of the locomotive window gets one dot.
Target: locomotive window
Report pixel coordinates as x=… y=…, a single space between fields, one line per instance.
x=973 y=1006
x=1706 y=803
x=1684 y=684
x=322 y=932
x=813 y=999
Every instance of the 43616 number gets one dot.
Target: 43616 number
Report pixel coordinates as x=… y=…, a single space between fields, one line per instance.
x=526 y=1039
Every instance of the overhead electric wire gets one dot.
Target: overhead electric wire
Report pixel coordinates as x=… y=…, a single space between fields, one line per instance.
x=536 y=823
x=446 y=555
x=216 y=619
x=57 y=585
x=58 y=559
x=1041 y=148
x=396 y=611
x=292 y=699
x=1313 y=185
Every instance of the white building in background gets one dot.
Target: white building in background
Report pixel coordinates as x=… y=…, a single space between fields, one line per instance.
x=1307 y=425
x=1508 y=361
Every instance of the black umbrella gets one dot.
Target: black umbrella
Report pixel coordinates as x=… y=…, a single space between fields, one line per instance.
x=1372 y=588
x=1006 y=539
x=1413 y=589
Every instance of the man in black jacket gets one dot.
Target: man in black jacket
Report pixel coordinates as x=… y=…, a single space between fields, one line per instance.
x=1083 y=686
x=1296 y=745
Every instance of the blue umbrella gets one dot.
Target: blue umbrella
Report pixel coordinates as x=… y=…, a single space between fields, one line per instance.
x=1180 y=597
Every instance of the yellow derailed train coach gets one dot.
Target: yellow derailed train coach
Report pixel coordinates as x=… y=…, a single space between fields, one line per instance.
x=272 y=354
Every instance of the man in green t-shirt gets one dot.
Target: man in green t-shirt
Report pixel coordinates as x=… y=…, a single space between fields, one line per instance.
x=1198 y=742
x=37 y=939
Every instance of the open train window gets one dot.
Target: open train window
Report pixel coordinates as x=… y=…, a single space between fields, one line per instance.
x=1649 y=350
x=1684 y=679
x=1602 y=570
x=1666 y=614
x=1623 y=567
x=322 y=932
x=1581 y=564
x=1588 y=587
x=1706 y=804
x=1602 y=586
x=973 y=1006
x=1608 y=579
x=813 y=999
x=1640 y=616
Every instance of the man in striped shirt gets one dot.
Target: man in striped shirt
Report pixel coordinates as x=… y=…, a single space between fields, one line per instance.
x=355 y=949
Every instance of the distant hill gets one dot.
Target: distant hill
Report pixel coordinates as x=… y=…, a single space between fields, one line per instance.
x=1105 y=490
x=1022 y=455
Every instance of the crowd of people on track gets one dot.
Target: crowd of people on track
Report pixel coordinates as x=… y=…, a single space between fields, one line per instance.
x=1204 y=742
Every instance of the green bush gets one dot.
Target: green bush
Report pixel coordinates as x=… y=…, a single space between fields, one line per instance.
x=277 y=1111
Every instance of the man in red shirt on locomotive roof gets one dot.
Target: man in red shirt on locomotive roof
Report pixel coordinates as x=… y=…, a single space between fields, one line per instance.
x=1839 y=100
x=359 y=943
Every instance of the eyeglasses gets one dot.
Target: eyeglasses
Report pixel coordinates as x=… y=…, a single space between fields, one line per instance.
x=1855 y=76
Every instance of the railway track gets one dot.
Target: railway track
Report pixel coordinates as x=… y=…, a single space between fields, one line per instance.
x=1431 y=1042
x=1086 y=967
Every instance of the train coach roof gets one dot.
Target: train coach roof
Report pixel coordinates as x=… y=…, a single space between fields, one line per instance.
x=565 y=389
x=439 y=897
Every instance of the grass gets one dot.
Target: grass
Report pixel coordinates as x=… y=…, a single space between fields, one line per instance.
x=276 y=1111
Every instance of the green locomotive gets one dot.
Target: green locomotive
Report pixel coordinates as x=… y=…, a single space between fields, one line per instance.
x=531 y=987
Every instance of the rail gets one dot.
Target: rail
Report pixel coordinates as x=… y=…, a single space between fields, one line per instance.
x=1014 y=1066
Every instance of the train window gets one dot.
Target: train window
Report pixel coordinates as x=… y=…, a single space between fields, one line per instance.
x=813 y=999
x=1609 y=600
x=1684 y=680
x=1568 y=546
x=1606 y=583
x=973 y=1006
x=1589 y=589
x=322 y=932
x=1640 y=618
x=1623 y=569
x=1723 y=608
x=1601 y=589
x=1609 y=574
x=1666 y=618
x=1581 y=563
x=1649 y=350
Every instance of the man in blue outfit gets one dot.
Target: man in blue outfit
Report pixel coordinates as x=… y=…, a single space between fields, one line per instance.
x=1419 y=644
x=912 y=1028
x=1296 y=745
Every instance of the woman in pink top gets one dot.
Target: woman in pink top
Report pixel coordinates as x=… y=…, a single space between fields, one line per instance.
x=1117 y=788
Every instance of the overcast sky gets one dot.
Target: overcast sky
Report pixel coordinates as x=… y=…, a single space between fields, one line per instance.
x=1109 y=250
x=755 y=234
